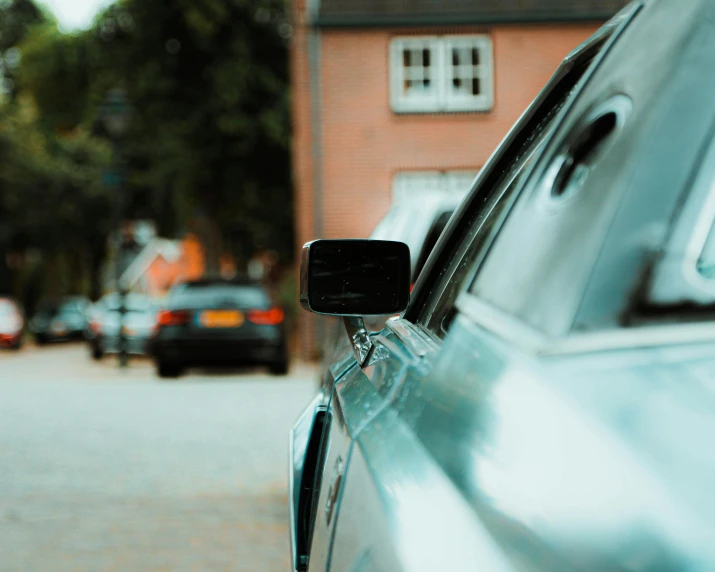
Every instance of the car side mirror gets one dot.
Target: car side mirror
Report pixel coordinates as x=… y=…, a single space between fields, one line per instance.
x=355 y=278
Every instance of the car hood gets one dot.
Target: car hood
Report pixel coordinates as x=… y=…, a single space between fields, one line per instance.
x=579 y=463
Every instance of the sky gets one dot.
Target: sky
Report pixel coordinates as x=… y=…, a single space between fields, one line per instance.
x=75 y=14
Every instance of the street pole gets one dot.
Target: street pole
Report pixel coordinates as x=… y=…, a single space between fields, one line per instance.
x=116 y=115
x=119 y=207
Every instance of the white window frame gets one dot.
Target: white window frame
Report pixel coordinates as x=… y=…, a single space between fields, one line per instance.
x=459 y=181
x=484 y=71
x=442 y=98
x=410 y=185
x=415 y=102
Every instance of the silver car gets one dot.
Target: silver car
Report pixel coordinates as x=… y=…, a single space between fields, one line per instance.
x=546 y=400
x=419 y=224
x=138 y=324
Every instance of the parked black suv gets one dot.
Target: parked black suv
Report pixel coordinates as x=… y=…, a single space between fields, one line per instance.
x=219 y=322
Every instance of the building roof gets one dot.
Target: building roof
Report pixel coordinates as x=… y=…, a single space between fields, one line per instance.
x=378 y=13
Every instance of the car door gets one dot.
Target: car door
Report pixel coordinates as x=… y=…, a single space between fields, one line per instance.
x=361 y=489
x=392 y=459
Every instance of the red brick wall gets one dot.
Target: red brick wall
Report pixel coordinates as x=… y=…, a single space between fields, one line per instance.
x=364 y=143
x=302 y=156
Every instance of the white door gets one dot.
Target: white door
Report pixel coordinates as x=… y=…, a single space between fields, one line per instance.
x=411 y=185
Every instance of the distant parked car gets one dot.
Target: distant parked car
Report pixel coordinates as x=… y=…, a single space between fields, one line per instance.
x=138 y=324
x=12 y=324
x=419 y=224
x=60 y=319
x=217 y=322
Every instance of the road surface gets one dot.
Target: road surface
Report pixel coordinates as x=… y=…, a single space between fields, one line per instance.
x=102 y=470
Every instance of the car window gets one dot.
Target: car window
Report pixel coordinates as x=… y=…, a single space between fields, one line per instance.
x=487 y=209
x=50 y=307
x=72 y=307
x=490 y=217
x=434 y=233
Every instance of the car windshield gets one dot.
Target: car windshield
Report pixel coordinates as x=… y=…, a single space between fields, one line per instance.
x=49 y=307
x=132 y=303
x=210 y=295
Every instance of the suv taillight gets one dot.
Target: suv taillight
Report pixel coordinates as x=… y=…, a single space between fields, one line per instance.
x=271 y=317
x=172 y=318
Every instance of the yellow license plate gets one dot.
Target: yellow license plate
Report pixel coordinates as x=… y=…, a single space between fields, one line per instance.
x=221 y=319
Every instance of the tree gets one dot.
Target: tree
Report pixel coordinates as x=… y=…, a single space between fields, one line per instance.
x=52 y=202
x=209 y=83
x=17 y=19
x=209 y=145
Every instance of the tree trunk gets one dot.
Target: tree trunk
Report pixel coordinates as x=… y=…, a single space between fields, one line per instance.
x=96 y=267
x=212 y=240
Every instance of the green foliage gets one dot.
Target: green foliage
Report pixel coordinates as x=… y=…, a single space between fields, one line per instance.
x=209 y=145
x=51 y=195
x=56 y=71
x=17 y=18
x=208 y=82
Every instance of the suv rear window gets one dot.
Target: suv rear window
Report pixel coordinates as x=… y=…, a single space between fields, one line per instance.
x=208 y=295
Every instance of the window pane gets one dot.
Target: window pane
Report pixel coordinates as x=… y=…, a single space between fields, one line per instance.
x=491 y=214
x=476 y=86
x=468 y=59
x=481 y=224
x=417 y=72
x=414 y=72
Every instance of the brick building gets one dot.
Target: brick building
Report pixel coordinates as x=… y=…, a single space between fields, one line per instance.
x=396 y=98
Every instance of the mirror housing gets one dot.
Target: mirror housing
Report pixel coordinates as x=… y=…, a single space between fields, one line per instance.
x=355 y=277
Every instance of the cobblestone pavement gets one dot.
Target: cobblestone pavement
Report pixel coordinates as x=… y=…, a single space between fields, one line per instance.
x=102 y=470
